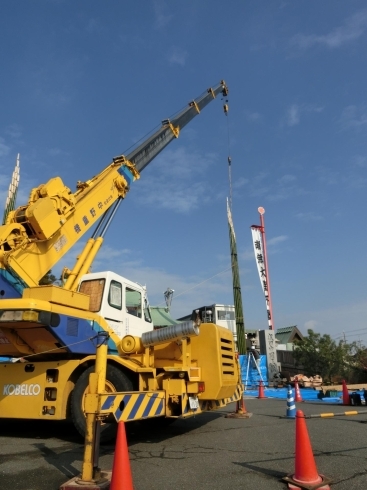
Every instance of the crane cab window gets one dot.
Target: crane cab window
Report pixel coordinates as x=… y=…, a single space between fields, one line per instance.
x=225 y=315
x=115 y=295
x=133 y=302
x=94 y=288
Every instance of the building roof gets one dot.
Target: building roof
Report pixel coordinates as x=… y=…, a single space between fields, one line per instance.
x=161 y=317
x=287 y=335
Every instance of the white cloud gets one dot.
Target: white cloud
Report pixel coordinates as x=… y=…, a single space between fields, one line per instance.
x=161 y=18
x=52 y=82
x=360 y=161
x=310 y=324
x=276 y=240
x=254 y=117
x=4 y=148
x=14 y=131
x=353 y=117
x=309 y=216
x=286 y=179
x=240 y=182
x=332 y=321
x=353 y=28
x=265 y=186
x=293 y=115
x=177 y=56
x=327 y=176
x=179 y=182
x=356 y=181
x=93 y=26
x=55 y=152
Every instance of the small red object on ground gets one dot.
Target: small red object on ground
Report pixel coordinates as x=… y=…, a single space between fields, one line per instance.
x=298 y=397
x=261 y=390
x=346 y=399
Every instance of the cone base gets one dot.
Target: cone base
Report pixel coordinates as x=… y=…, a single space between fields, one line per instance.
x=238 y=415
x=76 y=482
x=296 y=485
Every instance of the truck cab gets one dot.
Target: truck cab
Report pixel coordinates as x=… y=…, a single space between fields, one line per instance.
x=123 y=303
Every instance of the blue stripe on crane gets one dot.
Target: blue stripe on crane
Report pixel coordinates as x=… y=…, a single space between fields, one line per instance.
x=125 y=172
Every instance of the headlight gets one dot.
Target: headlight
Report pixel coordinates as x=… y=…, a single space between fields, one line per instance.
x=45 y=317
x=19 y=316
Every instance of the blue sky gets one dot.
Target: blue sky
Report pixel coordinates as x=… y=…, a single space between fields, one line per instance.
x=82 y=81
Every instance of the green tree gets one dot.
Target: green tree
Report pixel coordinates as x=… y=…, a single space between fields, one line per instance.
x=357 y=363
x=319 y=354
x=47 y=279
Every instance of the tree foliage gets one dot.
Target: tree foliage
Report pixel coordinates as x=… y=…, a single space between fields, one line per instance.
x=47 y=279
x=320 y=354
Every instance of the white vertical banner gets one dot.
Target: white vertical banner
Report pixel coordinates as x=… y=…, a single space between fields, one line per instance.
x=260 y=262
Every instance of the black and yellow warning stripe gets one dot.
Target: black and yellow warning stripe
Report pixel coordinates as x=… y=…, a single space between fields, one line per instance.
x=141 y=405
x=340 y=414
x=134 y=406
x=206 y=405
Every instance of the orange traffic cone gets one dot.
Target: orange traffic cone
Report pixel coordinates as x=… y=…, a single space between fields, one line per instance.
x=298 y=396
x=241 y=412
x=305 y=475
x=346 y=400
x=261 y=390
x=121 y=473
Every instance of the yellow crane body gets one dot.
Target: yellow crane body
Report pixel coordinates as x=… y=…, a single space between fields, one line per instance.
x=50 y=335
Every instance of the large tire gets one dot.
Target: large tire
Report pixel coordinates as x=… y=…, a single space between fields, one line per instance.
x=116 y=381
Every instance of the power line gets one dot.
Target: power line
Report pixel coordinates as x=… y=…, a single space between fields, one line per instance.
x=355 y=330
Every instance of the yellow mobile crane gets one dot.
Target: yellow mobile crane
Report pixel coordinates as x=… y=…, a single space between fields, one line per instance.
x=50 y=333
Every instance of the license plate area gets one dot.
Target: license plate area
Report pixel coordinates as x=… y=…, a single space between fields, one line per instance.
x=194 y=402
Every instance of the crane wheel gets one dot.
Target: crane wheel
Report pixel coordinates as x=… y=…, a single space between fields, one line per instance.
x=116 y=381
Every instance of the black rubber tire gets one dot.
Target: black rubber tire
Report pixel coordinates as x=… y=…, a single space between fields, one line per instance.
x=119 y=381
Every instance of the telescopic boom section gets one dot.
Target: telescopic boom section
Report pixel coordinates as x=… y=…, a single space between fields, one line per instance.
x=36 y=236
x=170 y=129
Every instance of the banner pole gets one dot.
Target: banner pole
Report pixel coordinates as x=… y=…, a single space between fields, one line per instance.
x=262 y=230
x=262 y=264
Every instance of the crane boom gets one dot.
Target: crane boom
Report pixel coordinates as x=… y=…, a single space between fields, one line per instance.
x=148 y=150
x=36 y=236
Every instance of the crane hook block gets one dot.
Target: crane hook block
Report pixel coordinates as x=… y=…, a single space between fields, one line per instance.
x=225 y=108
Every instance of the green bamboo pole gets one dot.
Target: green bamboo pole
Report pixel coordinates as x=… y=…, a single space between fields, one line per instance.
x=237 y=296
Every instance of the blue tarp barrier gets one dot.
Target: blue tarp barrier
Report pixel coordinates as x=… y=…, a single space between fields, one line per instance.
x=307 y=394
x=249 y=372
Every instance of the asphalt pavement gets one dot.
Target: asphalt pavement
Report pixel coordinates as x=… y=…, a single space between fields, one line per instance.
x=205 y=452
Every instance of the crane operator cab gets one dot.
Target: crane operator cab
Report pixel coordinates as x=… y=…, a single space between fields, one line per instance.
x=123 y=303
